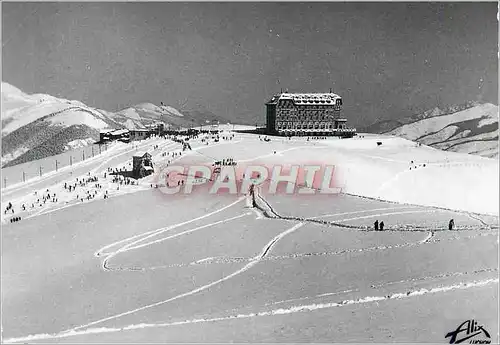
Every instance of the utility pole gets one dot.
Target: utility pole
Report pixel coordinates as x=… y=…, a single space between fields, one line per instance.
x=56 y=165
x=83 y=152
x=71 y=160
x=24 y=176
x=5 y=182
x=40 y=170
x=99 y=148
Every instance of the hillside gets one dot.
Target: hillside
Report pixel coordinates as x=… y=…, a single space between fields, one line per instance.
x=385 y=126
x=470 y=128
x=39 y=125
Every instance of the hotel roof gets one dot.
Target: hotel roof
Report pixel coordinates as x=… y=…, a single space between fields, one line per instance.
x=306 y=98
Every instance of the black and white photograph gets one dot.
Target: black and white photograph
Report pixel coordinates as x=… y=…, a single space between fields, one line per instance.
x=249 y=172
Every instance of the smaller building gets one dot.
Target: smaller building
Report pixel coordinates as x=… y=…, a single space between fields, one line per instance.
x=156 y=128
x=142 y=165
x=139 y=134
x=107 y=135
x=104 y=135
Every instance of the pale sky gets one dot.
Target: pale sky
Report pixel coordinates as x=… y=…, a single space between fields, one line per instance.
x=386 y=60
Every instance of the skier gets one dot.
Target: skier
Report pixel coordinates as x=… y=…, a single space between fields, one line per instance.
x=381 y=226
x=376 y=225
x=451 y=224
x=252 y=195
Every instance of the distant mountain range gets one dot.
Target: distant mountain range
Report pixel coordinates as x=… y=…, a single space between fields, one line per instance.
x=467 y=128
x=39 y=125
x=146 y=113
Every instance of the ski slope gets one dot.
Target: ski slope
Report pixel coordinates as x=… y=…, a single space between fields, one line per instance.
x=146 y=266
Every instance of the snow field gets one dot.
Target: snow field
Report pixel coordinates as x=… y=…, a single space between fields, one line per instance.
x=190 y=267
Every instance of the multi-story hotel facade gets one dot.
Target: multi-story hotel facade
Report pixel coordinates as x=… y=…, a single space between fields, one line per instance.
x=307 y=114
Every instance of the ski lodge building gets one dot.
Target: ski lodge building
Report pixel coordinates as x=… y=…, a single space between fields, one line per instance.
x=139 y=134
x=110 y=135
x=305 y=114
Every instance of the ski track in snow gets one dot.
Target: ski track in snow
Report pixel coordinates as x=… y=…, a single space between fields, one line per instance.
x=255 y=260
x=435 y=276
x=429 y=236
x=153 y=233
x=478 y=219
x=251 y=261
x=364 y=211
x=273 y=312
x=268 y=211
x=297 y=256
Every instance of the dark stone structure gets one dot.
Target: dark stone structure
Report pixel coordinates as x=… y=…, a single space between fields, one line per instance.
x=142 y=165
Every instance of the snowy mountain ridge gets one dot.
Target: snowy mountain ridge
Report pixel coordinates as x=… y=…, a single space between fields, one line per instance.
x=473 y=131
x=470 y=128
x=40 y=125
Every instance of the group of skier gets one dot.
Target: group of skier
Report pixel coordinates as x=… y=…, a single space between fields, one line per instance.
x=380 y=226
x=9 y=207
x=316 y=138
x=225 y=162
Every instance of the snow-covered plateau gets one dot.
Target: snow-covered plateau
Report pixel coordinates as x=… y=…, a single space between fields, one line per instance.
x=144 y=266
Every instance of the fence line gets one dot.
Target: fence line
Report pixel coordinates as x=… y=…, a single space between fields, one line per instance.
x=23 y=172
